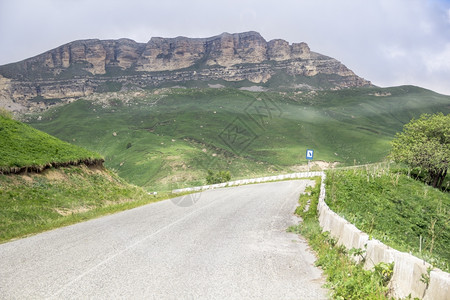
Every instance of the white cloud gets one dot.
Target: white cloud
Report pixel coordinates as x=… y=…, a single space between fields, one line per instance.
x=439 y=61
x=393 y=51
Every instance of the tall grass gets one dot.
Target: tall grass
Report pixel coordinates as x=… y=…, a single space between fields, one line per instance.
x=399 y=211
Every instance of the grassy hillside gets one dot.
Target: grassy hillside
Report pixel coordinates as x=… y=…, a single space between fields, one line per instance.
x=395 y=209
x=79 y=188
x=23 y=147
x=56 y=197
x=166 y=138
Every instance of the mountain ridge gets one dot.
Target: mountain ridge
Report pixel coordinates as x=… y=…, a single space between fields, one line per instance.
x=64 y=55
x=83 y=67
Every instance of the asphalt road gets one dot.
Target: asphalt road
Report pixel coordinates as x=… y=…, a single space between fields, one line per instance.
x=231 y=244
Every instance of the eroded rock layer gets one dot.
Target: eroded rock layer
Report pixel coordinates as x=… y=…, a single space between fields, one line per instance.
x=83 y=67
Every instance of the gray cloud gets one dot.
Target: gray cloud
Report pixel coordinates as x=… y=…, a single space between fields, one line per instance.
x=385 y=41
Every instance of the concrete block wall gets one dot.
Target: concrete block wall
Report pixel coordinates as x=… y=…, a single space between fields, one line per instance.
x=408 y=269
x=438 y=287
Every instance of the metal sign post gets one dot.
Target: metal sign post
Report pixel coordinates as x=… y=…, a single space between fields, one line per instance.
x=309 y=156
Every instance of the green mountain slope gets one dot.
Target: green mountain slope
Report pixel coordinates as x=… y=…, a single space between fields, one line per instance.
x=67 y=184
x=167 y=138
x=25 y=148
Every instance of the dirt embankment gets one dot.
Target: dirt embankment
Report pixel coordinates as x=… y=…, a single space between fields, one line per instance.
x=40 y=168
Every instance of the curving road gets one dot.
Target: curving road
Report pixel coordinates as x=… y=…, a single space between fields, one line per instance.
x=231 y=244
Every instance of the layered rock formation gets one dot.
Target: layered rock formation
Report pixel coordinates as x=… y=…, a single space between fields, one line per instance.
x=82 y=67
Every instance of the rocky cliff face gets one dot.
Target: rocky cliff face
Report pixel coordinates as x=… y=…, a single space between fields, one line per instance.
x=83 y=67
x=93 y=56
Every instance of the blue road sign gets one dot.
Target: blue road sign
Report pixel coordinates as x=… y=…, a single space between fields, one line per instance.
x=309 y=154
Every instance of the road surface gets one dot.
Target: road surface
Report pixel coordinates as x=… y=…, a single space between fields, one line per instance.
x=231 y=244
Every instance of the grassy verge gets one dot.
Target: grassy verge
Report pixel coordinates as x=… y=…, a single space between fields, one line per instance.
x=34 y=203
x=346 y=279
x=403 y=213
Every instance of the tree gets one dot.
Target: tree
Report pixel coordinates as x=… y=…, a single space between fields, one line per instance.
x=425 y=144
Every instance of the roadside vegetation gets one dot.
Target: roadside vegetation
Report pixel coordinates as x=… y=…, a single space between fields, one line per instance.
x=46 y=183
x=345 y=278
x=35 y=202
x=424 y=144
x=403 y=213
x=390 y=204
x=219 y=177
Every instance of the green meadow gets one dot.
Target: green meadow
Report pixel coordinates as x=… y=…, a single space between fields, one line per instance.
x=163 y=139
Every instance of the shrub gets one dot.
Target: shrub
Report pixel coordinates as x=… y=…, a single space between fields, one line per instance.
x=425 y=144
x=219 y=177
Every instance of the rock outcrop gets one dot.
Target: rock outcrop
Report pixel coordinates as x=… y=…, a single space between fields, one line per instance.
x=92 y=56
x=83 y=67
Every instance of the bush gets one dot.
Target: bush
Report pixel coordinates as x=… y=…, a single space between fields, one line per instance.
x=425 y=144
x=219 y=177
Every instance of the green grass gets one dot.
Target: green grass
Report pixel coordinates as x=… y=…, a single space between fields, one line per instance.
x=169 y=138
x=345 y=278
x=33 y=202
x=394 y=209
x=22 y=146
x=57 y=197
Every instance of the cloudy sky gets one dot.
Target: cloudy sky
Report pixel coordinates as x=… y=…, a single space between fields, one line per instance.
x=390 y=42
